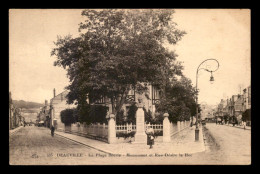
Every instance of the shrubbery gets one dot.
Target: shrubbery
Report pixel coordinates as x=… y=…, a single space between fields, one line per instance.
x=132 y=134
x=125 y=135
x=68 y=116
x=93 y=114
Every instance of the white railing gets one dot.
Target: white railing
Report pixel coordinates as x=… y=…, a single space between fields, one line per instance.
x=156 y=127
x=127 y=128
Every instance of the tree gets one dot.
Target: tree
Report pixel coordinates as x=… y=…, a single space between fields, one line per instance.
x=131 y=114
x=179 y=100
x=92 y=113
x=246 y=116
x=117 y=50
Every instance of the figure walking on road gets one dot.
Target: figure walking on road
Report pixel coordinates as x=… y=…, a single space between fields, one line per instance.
x=150 y=137
x=52 y=130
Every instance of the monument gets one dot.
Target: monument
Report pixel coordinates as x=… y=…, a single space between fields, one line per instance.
x=140 y=136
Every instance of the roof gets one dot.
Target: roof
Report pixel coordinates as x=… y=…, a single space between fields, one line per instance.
x=60 y=97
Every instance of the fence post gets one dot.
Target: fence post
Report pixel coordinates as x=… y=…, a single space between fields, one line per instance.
x=166 y=128
x=111 y=129
x=179 y=126
x=103 y=130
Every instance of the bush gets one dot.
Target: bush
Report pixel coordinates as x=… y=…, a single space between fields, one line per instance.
x=125 y=135
x=92 y=114
x=158 y=133
x=68 y=116
x=98 y=114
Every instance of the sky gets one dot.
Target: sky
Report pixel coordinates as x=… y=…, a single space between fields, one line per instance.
x=211 y=33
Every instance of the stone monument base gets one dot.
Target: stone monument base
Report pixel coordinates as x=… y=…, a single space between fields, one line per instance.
x=140 y=138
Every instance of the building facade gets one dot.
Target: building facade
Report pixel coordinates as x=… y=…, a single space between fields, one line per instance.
x=15 y=116
x=150 y=98
x=57 y=104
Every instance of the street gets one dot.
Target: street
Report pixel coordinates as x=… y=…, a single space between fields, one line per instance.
x=35 y=146
x=232 y=145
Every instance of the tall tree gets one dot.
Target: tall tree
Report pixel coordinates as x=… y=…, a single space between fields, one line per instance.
x=179 y=101
x=117 y=50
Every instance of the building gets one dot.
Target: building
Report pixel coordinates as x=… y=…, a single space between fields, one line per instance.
x=57 y=104
x=247 y=104
x=221 y=108
x=247 y=98
x=149 y=98
x=15 y=117
x=44 y=115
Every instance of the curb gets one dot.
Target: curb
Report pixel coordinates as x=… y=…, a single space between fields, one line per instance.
x=14 y=130
x=210 y=136
x=83 y=144
x=237 y=127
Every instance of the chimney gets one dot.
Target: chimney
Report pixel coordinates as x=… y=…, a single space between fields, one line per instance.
x=46 y=102
x=54 y=94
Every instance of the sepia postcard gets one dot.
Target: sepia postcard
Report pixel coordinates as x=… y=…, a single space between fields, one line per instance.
x=129 y=87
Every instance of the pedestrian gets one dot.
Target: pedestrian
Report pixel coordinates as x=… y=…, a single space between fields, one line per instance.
x=244 y=124
x=150 y=137
x=52 y=130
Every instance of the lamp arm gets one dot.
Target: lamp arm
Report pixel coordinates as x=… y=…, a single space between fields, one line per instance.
x=207 y=69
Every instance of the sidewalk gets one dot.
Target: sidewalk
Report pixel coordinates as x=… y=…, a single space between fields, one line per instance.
x=238 y=126
x=183 y=142
x=14 y=130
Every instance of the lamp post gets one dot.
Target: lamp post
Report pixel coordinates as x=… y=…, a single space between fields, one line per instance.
x=211 y=81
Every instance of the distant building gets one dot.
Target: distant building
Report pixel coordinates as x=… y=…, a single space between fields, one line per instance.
x=15 y=117
x=247 y=98
x=221 y=109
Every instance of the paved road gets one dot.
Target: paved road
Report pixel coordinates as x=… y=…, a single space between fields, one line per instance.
x=232 y=145
x=34 y=145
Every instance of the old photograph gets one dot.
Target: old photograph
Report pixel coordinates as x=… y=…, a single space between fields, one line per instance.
x=129 y=86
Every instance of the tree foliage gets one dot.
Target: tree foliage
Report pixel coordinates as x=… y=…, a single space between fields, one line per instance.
x=92 y=114
x=116 y=50
x=179 y=100
x=68 y=116
x=131 y=114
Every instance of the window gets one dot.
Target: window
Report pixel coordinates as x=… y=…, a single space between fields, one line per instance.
x=155 y=96
x=131 y=95
x=101 y=100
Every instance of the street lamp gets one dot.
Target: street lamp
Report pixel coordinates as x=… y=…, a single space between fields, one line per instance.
x=211 y=81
